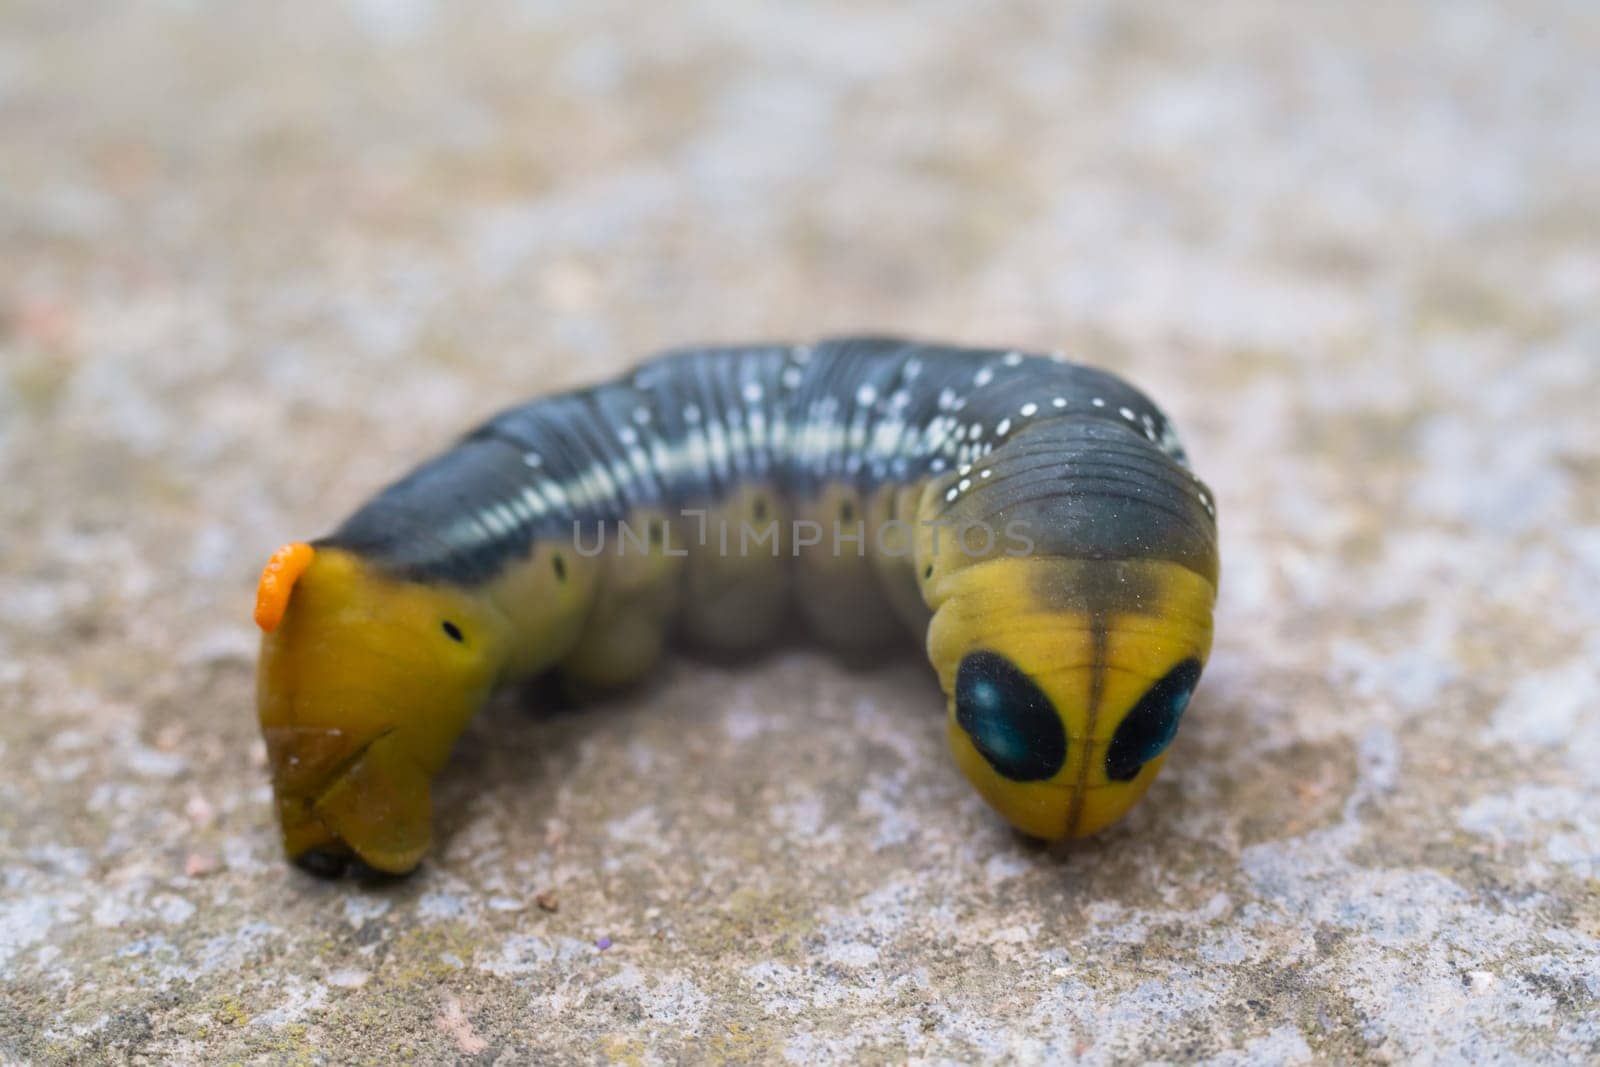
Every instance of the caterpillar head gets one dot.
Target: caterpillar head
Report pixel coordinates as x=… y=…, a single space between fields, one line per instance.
x=1066 y=680
x=365 y=682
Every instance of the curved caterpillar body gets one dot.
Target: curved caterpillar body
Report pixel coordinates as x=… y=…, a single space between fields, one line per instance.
x=1035 y=520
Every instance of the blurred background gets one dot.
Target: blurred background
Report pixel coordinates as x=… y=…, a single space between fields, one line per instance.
x=256 y=259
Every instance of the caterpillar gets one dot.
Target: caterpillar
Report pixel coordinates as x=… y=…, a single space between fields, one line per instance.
x=1034 y=520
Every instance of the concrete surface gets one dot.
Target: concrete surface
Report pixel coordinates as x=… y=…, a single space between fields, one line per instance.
x=257 y=259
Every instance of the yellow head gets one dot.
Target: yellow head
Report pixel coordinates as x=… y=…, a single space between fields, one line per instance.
x=1066 y=680
x=365 y=682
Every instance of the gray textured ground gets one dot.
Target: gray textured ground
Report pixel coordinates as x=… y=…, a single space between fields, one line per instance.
x=256 y=260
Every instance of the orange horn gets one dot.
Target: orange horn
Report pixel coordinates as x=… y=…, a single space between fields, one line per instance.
x=277 y=582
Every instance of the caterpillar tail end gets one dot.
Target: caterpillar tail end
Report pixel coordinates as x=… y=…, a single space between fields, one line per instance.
x=354 y=744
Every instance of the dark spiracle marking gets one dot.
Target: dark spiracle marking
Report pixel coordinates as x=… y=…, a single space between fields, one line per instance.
x=1010 y=721
x=1146 y=731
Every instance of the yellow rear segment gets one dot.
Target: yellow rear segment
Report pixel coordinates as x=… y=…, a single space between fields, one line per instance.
x=365 y=682
x=1066 y=679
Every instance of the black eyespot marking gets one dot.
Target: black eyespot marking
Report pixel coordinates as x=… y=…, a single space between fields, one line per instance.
x=847 y=511
x=453 y=632
x=560 y=567
x=760 y=508
x=927 y=572
x=1146 y=731
x=655 y=533
x=1010 y=721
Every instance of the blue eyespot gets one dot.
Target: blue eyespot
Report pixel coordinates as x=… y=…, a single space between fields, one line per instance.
x=1012 y=724
x=1146 y=731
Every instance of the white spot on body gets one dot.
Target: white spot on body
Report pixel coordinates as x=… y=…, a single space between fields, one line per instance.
x=983 y=377
x=1029 y=410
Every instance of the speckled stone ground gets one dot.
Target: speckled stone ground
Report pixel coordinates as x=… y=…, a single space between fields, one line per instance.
x=257 y=259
